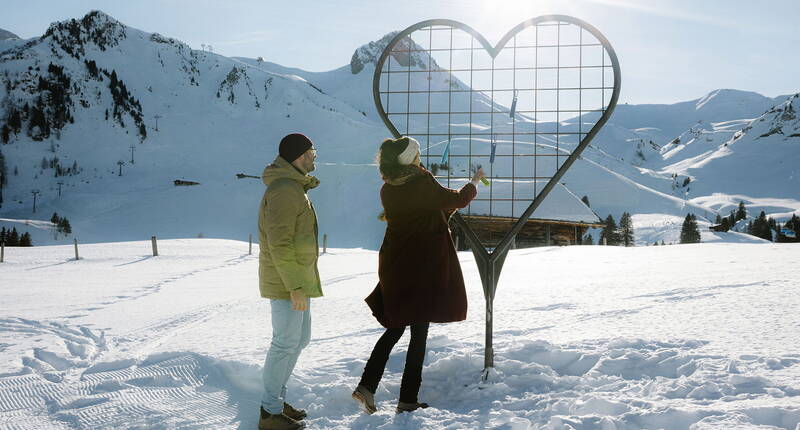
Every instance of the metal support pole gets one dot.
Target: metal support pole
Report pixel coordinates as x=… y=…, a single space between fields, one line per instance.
x=2 y=251
x=34 y=192
x=250 y=240
x=488 y=355
x=324 y=243
x=155 y=246
x=75 y=242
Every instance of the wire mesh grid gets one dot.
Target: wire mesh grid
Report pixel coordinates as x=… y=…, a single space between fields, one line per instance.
x=518 y=110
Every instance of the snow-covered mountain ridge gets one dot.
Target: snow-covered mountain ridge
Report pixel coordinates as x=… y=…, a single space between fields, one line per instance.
x=93 y=97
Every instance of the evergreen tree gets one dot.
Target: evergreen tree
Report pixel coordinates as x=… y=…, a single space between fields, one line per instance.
x=5 y=134
x=626 y=229
x=689 y=231
x=55 y=218
x=588 y=240
x=761 y=228
x=662 y=242
x=609 y=232
x=64 y=226
x=725 y=224
x=772 y=223
x=3 y=235
x=25 y=240
x=14 y=120
x=718 y=220
x=741 y=212
x=793 y=224
x=12 y=239
x=585 y=200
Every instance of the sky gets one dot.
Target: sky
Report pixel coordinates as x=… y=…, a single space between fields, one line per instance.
x=669 y=50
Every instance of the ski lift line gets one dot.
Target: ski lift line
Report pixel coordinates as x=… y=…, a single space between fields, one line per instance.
x=573 y=45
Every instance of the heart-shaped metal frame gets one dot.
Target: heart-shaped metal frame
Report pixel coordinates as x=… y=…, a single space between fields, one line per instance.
x=490 y=263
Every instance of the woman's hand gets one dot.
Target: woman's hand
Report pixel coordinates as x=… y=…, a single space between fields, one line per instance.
x=478 y=175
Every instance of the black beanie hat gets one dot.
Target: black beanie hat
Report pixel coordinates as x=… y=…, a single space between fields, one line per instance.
x=293 y=146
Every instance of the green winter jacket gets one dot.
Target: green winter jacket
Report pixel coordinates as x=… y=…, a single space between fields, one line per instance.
x=287 y=226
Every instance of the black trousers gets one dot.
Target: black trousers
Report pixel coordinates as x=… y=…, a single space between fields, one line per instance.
x=412 y=373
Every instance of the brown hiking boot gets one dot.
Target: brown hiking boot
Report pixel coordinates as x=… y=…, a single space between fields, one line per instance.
x=279 y=422
x=410 y=407
x=295 y=414
x=365 y=399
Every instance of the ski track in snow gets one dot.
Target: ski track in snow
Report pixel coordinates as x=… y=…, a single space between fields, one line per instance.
x=86 y=378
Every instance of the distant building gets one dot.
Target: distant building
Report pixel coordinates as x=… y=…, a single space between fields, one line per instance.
x=561 y=219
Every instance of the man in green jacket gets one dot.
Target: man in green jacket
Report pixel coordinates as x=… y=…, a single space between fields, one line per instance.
x=287 y=272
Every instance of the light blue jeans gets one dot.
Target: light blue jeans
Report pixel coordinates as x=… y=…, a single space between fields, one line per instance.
x=291 y=332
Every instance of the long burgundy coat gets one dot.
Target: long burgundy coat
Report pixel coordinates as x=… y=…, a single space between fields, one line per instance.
x=419 y=275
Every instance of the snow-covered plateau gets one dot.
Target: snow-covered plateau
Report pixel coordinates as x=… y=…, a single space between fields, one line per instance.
x=699 y=336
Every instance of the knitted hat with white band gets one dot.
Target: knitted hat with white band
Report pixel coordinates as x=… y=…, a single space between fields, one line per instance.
x=410 y=153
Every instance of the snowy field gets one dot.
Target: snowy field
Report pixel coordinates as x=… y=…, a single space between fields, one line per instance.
x=587 y=337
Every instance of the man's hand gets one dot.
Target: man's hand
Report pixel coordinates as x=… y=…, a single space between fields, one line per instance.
x=299 y=300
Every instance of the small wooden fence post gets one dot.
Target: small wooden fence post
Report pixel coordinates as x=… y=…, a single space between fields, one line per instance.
x=547 y=234
x=75 y=242
x=324 y=243
x=250 y=240
x=155 y=246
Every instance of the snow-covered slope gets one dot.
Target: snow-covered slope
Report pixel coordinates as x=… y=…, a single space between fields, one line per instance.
x=5 y=35
x=99 y=93
x=669 y=337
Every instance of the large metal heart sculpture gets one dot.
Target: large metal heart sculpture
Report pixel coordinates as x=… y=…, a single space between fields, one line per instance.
x=523 y=110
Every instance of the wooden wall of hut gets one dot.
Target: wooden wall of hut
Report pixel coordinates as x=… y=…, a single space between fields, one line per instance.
x=534 y=233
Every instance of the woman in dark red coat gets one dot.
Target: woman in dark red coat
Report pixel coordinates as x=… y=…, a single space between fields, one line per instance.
x=420 y=279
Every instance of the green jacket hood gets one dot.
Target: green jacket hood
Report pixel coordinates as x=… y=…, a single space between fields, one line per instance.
x=281 y=168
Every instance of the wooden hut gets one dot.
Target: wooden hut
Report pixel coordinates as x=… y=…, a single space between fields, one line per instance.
x=561 y=219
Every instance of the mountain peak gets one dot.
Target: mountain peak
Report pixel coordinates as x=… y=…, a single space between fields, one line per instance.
x=5 y=35
x=371 y=52
x=96 y=27
x=727 y=96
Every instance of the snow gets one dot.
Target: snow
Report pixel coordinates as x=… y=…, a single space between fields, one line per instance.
x=629 y=167
x=676 y=337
